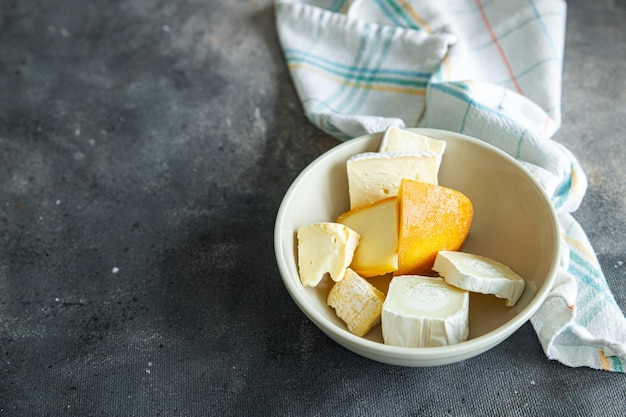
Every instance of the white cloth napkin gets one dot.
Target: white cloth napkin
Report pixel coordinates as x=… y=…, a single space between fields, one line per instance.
x=490 y=69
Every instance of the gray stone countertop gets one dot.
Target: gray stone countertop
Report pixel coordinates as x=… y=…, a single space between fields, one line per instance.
x=145 y=147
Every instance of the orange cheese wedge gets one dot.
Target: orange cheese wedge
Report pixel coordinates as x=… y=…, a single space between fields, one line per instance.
x=432 y=218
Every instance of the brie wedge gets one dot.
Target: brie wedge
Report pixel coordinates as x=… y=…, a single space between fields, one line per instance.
x=357 y=302
x=325 y=248
x=424 y=312
x=479 y=274
x=373 y=176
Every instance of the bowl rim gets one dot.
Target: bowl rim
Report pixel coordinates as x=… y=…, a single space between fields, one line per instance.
x=358 y=344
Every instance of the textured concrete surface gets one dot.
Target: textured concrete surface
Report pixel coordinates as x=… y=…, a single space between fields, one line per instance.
x=144 y=150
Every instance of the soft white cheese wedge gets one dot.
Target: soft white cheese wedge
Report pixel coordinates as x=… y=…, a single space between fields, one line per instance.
x=479 y=274
x=396 y=139
x=373 y=176
x=325 y=248
x=424 y=312
x=357 y=302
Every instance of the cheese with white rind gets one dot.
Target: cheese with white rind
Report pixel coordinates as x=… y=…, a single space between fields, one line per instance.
x=357 y=302
x=373 y=176
x=424 y=312
x=325 y=248
x=396 y=139
x=377 y=224
x=479 y=274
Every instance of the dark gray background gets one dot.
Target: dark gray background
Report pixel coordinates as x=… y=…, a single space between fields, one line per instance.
x=145 y=147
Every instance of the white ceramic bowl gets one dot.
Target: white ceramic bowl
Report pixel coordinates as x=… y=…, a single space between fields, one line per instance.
x=513 y=223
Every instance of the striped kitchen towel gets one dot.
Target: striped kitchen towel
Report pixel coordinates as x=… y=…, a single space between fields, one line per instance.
x=490 y=69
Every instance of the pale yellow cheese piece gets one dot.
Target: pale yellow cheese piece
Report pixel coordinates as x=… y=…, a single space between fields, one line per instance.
x=377 y=224
x=396 y=139
x=325 y=248
x=424 y=311
x=373 y=176
x=357 y=302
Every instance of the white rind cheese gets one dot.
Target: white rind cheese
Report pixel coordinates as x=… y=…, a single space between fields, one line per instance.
x=325 y=248
x=424 y=312
x=373 y=176
x=357 y=302
x=396 y=139
x=479 y=274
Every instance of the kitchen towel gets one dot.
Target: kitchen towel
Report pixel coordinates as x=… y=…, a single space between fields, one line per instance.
x=490 y=69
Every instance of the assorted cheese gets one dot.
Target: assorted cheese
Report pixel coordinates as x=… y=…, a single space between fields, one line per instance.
x=325 y=248
x=357 y=302
x=424 y=312
x=402 y=225
x=479 y=274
